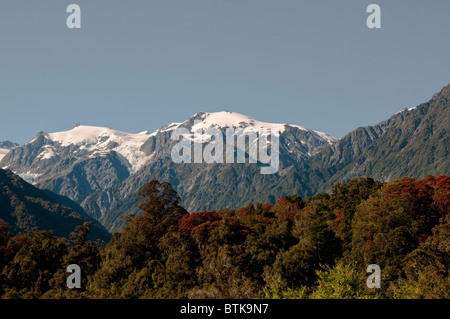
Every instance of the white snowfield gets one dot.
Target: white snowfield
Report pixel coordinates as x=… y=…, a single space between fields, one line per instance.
x=406 y=109
x=232 y=119
x=94 y=135
x=99 y=141
x=3 y=152
x=226 y=119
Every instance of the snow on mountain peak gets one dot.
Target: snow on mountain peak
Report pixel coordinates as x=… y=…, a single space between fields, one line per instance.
x=100 y=141
x=94 y=135
x=225 y=119
x=3 y=152
x=236 y=120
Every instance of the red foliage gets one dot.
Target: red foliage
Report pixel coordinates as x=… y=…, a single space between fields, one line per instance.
x=239 y=228
x=420 y=188
x=442 y=196
x=442 y=202
x=266 y=207
x=200 y=225
x=443 y=182
x=244 y=212
x=284 y=208
x=339 y=215
x=191 y=223
x=247 y=216
x=428 y=191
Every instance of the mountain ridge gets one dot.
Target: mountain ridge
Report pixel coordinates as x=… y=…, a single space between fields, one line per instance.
x=78 y=159
x=412 y=142
x=402 y=145
x=296 y=144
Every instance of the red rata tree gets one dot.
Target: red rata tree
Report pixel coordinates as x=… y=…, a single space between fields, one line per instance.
x=288 y=207
x=210 y=225
x=442 y=194
x=430 y=191
x=249 y=216
x=199 y=224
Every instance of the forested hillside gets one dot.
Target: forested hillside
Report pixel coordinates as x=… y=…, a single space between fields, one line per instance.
x=26 y=208
x=317 y=247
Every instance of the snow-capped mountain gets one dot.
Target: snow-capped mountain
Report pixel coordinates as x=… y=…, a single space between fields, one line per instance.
x=104 y=169
x=97 y=167
x=227 y=119
x=77 y=162
x=80 y=143
x=199 y=184
x=296 y=142
x=99 y=141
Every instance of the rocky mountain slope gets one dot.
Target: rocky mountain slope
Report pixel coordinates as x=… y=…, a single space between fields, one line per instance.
x=99 y=167
x=78 y=162
x=103 y=169
x=414 y=142
x=202 y=185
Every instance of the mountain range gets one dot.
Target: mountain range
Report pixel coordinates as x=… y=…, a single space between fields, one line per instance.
x=102 y=169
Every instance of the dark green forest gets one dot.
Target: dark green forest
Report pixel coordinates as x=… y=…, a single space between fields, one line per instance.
x=317 y=247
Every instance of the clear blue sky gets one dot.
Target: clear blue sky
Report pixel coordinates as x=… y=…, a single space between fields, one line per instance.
x=137 y=65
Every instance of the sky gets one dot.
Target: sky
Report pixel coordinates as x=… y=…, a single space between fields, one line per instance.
x=138 y=65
